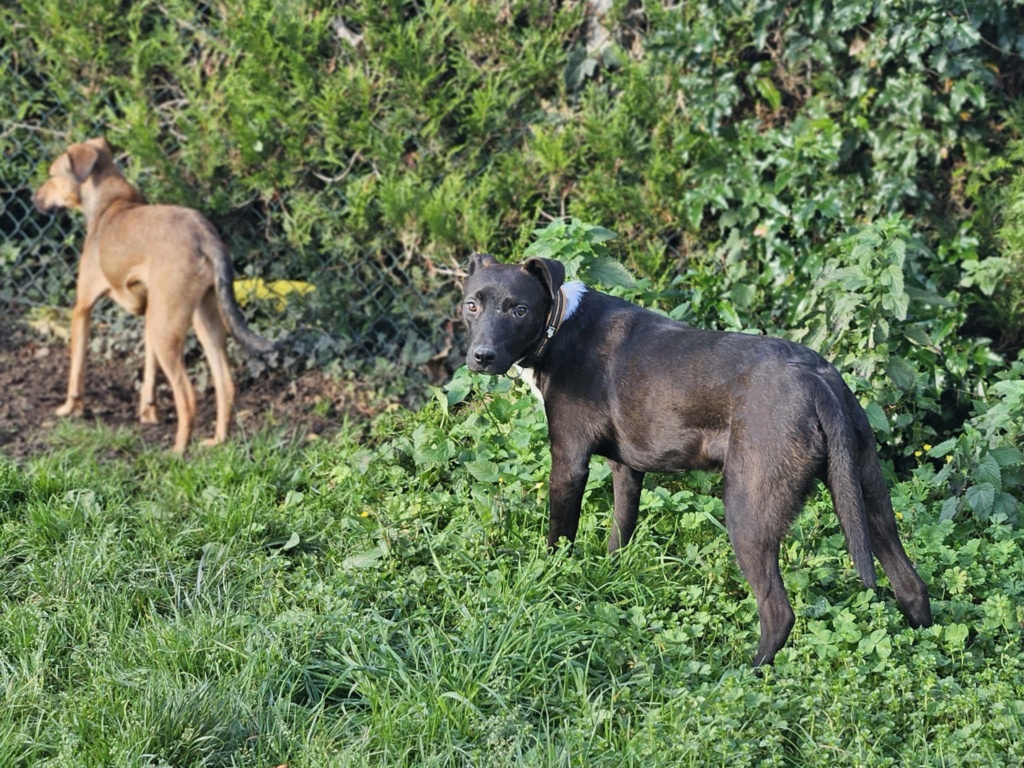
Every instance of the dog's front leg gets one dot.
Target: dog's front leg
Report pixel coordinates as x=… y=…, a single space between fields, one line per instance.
x=91 y=287
x=75 y=403
x=569 y=471
x=626 y=482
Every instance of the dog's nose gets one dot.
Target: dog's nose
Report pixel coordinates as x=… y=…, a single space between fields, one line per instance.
x=484 y=355
x=40 y=202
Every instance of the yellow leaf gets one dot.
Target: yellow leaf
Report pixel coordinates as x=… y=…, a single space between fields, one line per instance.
x=276 y=291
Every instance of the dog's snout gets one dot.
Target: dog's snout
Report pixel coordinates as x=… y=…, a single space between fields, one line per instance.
x=484 y=356
x=39 y=202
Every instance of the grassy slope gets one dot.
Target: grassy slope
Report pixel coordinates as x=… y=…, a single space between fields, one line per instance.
x=387 y=601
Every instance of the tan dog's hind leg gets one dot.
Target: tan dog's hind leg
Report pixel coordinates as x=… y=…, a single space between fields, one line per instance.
x=213 y=337
x=91 y=287
x=147 y=399
x=165 y=334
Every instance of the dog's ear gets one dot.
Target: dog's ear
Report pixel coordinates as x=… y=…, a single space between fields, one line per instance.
x=548 y=271
x=480 y=260
x=82 y=158
x=101 y=144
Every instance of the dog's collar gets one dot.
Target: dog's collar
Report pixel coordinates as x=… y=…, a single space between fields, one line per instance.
x=556 y=315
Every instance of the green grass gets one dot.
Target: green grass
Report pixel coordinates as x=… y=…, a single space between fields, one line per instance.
x=385 y=598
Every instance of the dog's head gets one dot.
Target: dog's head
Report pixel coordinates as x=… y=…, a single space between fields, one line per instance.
x=69 y=172
x=506 y=308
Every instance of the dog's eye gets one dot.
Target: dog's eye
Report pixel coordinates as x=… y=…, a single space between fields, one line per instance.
x=520 y=311
x=471 y=306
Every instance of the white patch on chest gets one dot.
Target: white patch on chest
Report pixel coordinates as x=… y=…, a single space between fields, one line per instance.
x=530 y=377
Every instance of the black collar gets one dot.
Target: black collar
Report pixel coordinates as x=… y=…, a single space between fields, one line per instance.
x=555 y=317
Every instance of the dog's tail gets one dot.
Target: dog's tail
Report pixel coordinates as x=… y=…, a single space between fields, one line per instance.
x=224 y=275
x=844 y=477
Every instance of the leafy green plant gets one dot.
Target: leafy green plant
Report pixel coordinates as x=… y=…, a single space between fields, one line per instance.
x=983 y=470
x=997 y=189
x=890 y=336
x=581 y=248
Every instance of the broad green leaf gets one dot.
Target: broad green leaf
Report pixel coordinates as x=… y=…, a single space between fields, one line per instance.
x=459 y=387
x=949 y=508
x=981 y=498
x=367 y=559
x=915 y=334
x=606 y=271
x=956 y=634
x=1007 y=455
x=596 y=234
x=483 y=470
x=940 y=450
x=727 y=314
x=987 y=471
x=901 y=372
x=769 y=93
x=877 y=418
x=1007 y=505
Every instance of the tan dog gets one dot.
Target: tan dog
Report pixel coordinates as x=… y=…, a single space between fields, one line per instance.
x=161 y=261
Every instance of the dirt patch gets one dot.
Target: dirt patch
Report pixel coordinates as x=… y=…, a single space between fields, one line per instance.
x=33 y=383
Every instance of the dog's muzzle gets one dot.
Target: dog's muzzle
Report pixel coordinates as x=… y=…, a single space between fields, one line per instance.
x=40 y=204
x=485 y=359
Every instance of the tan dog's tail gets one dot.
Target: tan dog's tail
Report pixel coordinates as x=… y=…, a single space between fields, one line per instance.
x=216 y=252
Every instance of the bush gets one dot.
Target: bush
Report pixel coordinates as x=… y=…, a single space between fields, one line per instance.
x=848 y=178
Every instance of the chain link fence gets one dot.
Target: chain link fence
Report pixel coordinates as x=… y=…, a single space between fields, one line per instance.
x=384 y=309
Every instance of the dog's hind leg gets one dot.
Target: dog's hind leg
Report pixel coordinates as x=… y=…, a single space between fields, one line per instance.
x=166 y=327
x=147 y=398
x=911 y=591
x=627 y=483
x=756 y=520
x=213 y=337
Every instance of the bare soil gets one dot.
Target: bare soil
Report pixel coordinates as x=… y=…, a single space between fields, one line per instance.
x=33 y=383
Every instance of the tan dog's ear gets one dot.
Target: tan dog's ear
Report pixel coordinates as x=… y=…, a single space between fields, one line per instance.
x=100 y=143
x=82 y=158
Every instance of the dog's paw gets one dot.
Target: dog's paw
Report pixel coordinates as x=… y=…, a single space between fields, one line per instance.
x=73 y=407
x=147 y=415
x=212 y=441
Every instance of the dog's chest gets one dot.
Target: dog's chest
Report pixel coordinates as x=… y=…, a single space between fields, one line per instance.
x=529 y=375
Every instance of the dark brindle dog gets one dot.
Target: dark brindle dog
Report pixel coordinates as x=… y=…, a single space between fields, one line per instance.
x=654 y=395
